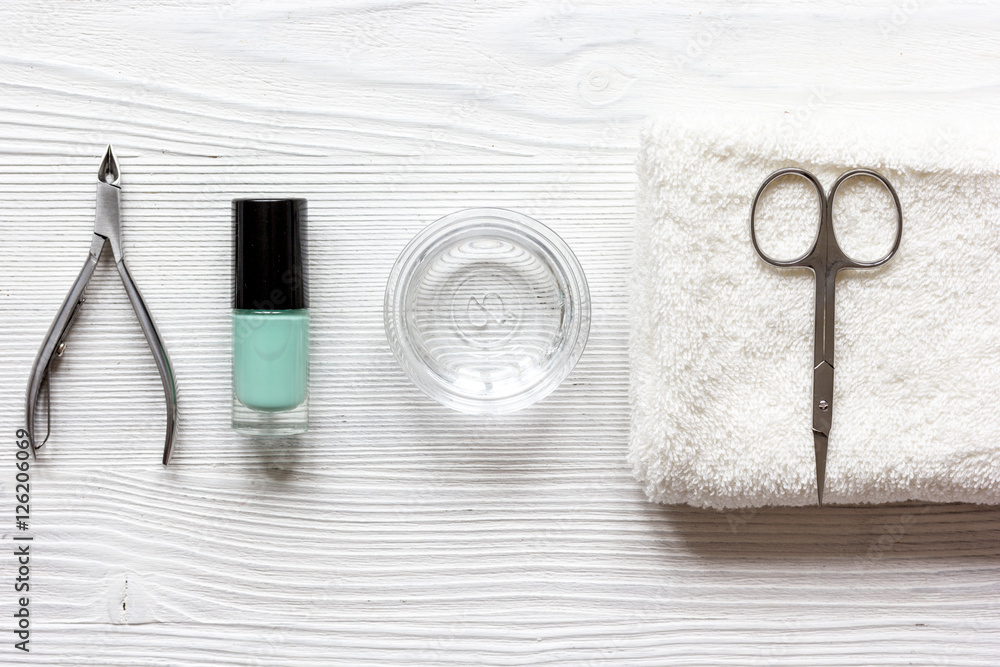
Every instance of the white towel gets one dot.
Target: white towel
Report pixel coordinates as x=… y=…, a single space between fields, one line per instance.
x=722 y=343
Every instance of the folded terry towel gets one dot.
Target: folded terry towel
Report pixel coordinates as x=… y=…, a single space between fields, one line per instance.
x=722 y=343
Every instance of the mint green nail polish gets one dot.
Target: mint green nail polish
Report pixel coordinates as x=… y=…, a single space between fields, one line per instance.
x=270 y=318
x=271 y=358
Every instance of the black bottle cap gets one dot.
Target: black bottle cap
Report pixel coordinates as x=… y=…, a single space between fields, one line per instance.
x=270 y=254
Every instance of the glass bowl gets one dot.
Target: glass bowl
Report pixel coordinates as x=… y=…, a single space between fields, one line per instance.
x=487 y=310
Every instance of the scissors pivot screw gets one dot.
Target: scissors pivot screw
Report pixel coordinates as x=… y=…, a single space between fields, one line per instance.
x=823 y=405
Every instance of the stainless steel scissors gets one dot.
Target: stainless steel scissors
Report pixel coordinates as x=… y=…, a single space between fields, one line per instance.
x=825 y=259
x=107 y=229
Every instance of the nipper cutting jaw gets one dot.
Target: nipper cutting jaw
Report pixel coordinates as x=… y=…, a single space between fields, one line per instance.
x=107 y=229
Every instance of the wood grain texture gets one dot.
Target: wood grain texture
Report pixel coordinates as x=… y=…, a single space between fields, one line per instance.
x=397 y=531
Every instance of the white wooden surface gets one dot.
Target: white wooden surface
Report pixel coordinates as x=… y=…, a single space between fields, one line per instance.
x=396 y=531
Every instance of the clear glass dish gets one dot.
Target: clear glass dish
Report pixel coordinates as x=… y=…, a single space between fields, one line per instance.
x=487 y=310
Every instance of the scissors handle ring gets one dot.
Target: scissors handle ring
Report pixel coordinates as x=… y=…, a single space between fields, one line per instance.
x=843 y=260
x=849 y=262
x=789 y=171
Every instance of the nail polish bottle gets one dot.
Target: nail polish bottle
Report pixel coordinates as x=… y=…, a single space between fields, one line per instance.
x=270 y=318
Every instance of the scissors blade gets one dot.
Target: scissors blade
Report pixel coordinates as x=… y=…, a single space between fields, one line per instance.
x=822 y=416
x=820 y=442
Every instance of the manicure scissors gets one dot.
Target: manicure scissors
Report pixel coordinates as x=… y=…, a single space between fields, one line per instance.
x=825 y=259
x=107 y=229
